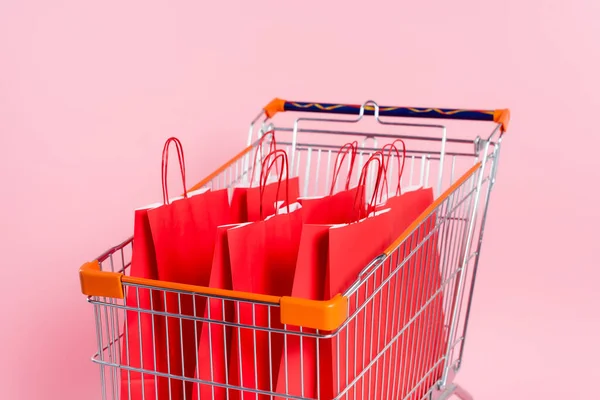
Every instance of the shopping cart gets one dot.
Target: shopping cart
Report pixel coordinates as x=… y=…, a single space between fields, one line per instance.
x=460 y=167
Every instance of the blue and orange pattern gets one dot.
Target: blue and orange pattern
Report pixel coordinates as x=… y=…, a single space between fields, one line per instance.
x=477 y=115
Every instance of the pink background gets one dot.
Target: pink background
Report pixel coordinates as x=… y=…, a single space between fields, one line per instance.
x=90 y=90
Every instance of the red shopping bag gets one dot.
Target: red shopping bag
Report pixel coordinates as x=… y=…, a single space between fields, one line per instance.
x=298 y=366
x=184 y=234
x=354 y=350
x=428 y=307
x=214 y=348
x=351 y=248
x=347 y=149
x=257 y=209
x=239 y=206
x=263 y=258
x=338 y=278
x=142 y=325
x=329 y=261
x=339 y=208
x=408 y=206
x=389 y=148
x=298 y=363
x=248 y=203
x=421 y=315
x=425 y=306
x=420 y=281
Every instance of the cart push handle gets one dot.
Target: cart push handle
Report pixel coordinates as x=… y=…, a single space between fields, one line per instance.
x=500 y=116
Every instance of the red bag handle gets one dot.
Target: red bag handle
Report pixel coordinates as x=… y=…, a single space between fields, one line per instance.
x=165 y=165
x=264 y=175
x=351 y=148
x=392 y=146
x=376 y=156
x=272 y=147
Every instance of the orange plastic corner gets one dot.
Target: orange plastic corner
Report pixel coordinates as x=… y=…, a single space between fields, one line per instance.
x=95 y=282
x=502 y=117
x=324 y=315
x=276 y=105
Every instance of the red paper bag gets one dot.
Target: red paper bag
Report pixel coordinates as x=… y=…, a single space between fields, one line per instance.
x=419 y=279
x=325 y=250
x=141 y=324
x=299 y=359
x=245 y=203
x=407 y=207
x=239 y=207
x=351 y=248
x=404 y=210
x=340 y=208
x=214 y=348
x=429 y=303
x=420 y=315
x=426 y=311
x=238 y=194
x=299 y=363
x=263 y=258
x=330 y=259
x=184 y=234
x=391 y=147
x=265 y=199
x=347 y=149
x=257 y=209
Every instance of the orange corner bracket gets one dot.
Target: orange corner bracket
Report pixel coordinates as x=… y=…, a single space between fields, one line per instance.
x=324 y=315
x=276 y=105
x=95 y=282
x=503 y=118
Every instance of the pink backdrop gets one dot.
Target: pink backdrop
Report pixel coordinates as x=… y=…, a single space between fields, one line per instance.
x=90 y=90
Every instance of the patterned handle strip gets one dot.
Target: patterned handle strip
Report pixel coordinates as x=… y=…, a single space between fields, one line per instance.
x=501 y=116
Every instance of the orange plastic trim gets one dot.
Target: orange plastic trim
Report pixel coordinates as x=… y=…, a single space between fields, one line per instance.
x=95 y=282
x=209 y=178
x=502 y=117
x=425 y=214
x=276 y=105
x=325 y=315
x=202 y=290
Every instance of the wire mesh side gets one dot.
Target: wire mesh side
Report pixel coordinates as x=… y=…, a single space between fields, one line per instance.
x=484 y=186
x=402 y=309
x=153 y=345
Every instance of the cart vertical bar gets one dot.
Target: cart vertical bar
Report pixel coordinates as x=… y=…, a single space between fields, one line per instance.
x=494 y=168
x=465 y=262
